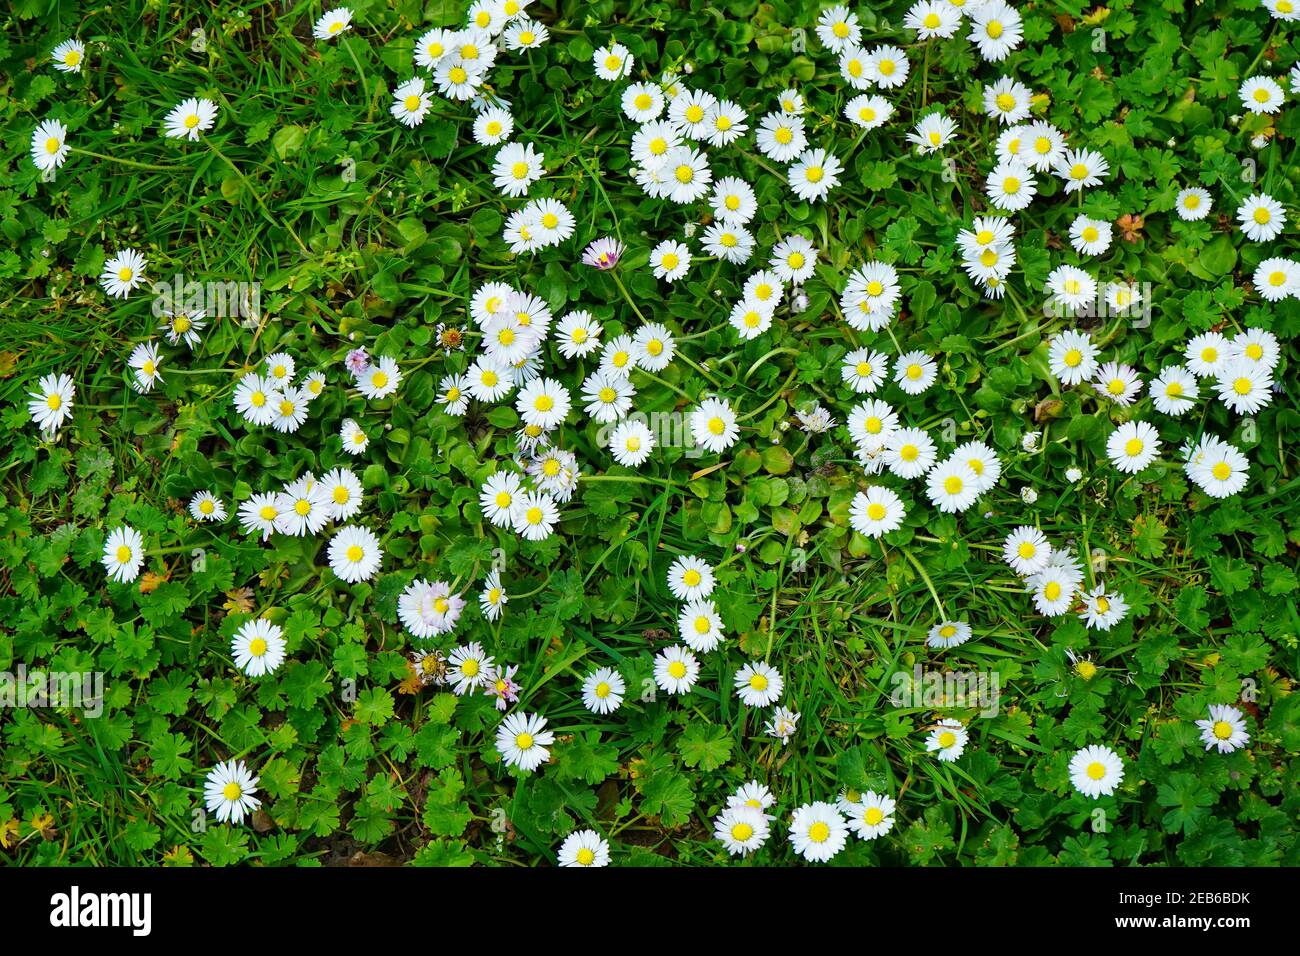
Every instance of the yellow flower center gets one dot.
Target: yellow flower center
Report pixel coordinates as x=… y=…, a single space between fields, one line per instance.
x=1096 y=770
x=815 y=174
x=1133 y=447
x=758 y=682
x=1053 y=591
x=677 y=670
x=784 y=135
x=1027 y=549
x=191 y=121
x=123 y=555
x=1222 y=729
x=534 y=515
x=603 y=690
x=586 y=857
x=717 y=426
x=54 y=402
x=524 y=741
x=691 y=578
x=412 y=104
x=875 y=511
x=1262 y=215
x=1006 y=102
x=257 y=647
x=232 y=791
x=741 y=832
x=953 y=485
x=947 y=739
x=355 y=553
x=819 y=832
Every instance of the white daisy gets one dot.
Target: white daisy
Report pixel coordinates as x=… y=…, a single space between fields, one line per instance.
x=258 y=647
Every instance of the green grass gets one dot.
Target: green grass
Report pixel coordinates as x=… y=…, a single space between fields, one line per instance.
x=349 y=762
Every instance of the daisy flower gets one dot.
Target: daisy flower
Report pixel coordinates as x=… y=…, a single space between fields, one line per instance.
x=1052 y=590
x=1090 y=237
x=205 y=506
x=868 y=111
x=676 y=670
x=814 y=174
x=353 y=437
x=69 y=56
x=1225 y=729
x=536 y=516
x=713 y=425
x=948 y=738
x=952 y=486
x=781 y=137
x=794 y=259
x=863 y=370
x=603 y=254
x=996 y=29
x=1133 y=446
x=411 y=103
x=258 y=647
x=1275 y=279
x=543 y=402
x=1217 y=468
x=733 y=200
x=948 y=634
x=876 y=512
x=123 y=554
x=1262 y=217
x=522 y=741
x=818 y=831
x=1245 y=387
x=1011 y=185
x=1193 y=204
x=183 y=326
x=427 y=609
x=355 y=554
x=1208 y=354
x=584 y=848
x=493 y=126
x=1102 y=610
x=754 y=796
x=602 y=691
x=190 y=118
x=741 y=830
x=304 y=506
x=1261 y=94
x=700 y=626
x=758 y=684
x=670 y=259
x=837 y=28
x=1118 y=382
x=332 y=24
x=1096 y=771
x=123 y=273
x=258 y=513
x=432 y=46
x=933 y=18
x=468 y=669
x=1174 y=391
x=290 y=410
x=51 y=404
x=1007 y=101
x=1026 y=550
x=577 y=334
x=49 y=145
x=914 y=372
x=872 y=816
x=631 y=443
x=782 y=724
x=612 y=62
x=1255 y=346
x=888 y=67
x=690 y=578
x=228 y=792
x=146 y=367
x=516 y=167
x=1080 y=168
x=653 y=347
x=909 y=453
x=933 y=132
x=982 y=460
x=642 y=102
x=728 y=241
x=493 y=599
